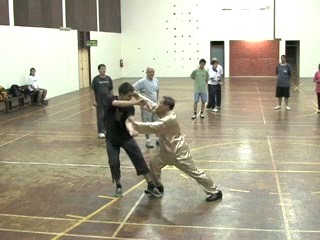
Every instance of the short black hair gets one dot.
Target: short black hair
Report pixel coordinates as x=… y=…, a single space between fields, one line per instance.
x=32 y=69
x=202 y=61
x=125 y=88
x=101 y=66
x=169 y=101
x=284 y=56
x=214 y=61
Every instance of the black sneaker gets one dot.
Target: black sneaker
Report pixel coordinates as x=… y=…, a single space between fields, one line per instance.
x=118 y=192
x=154 y=192
x=214 y=197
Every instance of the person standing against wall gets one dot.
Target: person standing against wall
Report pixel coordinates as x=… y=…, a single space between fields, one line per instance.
x=102 y=86
x=283 y=71
x=148 y=87
x=200 y=77
x=316 y=79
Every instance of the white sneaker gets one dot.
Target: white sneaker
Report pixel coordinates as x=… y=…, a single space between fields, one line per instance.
x=277 y=107
x=288 y=108
x=201 y=115
x=101 y=135
x=194 y=116
x=215 y=110
x=149 y=144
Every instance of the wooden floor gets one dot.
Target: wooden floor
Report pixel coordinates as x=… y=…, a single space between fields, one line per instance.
x=55 y=182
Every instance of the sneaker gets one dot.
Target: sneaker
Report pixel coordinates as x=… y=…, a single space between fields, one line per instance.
x=149 y=144
x=194 y=116
x=118 y=192
x=101 y=135
x=158 y=142
x=154 y=192
x=160 y=188
x=288 y=108
x=318 y=111
x=214 y=197
x=215 y=110
x=201 y=115
x=277 y=107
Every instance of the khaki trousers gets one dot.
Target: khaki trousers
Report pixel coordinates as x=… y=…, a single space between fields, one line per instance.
x=187 y=166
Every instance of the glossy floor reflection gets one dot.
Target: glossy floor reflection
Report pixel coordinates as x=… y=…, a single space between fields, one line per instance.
x=56 y=184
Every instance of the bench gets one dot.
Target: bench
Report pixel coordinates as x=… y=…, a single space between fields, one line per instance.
x=19 y=102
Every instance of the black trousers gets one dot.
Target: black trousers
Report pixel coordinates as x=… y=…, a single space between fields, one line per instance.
x=214 y=92
x=101 y=117
x=318 y=95
x=133 y=151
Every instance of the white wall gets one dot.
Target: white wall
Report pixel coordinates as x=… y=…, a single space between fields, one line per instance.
x=299 y=20
x=172 y=35
x=107 y=52
x=52 y=52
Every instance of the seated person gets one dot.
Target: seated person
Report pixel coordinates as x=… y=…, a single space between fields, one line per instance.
x=33 y=86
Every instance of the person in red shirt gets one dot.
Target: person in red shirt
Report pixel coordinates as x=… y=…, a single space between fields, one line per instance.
x=316 y=79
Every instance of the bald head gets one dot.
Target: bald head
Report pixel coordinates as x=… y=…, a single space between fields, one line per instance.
x=150 y=73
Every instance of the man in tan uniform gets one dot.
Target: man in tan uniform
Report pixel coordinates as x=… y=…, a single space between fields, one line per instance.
x=173 y=148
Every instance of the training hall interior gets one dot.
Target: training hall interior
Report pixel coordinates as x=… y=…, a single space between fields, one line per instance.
x=55 y=180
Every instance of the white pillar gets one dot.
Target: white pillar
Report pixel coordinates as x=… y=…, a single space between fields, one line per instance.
x=98 y=16
x=64 y=19
x=11 y=13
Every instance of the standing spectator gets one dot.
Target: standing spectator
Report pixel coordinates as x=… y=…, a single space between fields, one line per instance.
x=200 y=77
x=34 y=86
x=148 y=87
x=283 y=71
x=102 y=86
x=214 y=87
x=316 y=79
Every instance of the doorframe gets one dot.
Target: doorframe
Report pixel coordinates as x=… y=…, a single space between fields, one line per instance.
x=219 y=43
x=83 y=37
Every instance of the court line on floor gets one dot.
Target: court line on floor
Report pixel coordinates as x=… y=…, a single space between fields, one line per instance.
x=164 y=225
x=283 y=209
x=95 y=212
x=116 y=232
x=15 y=139
x=206 y=169
x=76 y=113
x=261 y=107
x=68 y=234
x=300 y=90
x=39 y=110
x=63 y=110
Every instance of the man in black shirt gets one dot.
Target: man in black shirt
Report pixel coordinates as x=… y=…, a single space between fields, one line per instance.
x=102 y=86
x=120 y=134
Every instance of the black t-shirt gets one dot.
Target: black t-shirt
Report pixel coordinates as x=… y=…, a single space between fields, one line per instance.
x=116 y=128
x=102 y=88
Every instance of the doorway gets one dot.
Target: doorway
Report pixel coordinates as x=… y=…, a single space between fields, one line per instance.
x=293 y=56
x=84 y=59
x=217 y=51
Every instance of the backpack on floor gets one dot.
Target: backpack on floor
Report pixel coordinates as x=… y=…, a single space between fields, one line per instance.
x=15 y=90
x=3 y=94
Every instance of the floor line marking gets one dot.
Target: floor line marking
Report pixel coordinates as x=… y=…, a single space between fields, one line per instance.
x=161 y=225
x=128 y=216
x=238 y=190
x=76 y=113
x=283 y=209
x=182 y=175
x=260 y=103
x=315 y=192
x=63 y=110
x=106 y=197
x=74 y=216
x=16 y=139
x=95 y=212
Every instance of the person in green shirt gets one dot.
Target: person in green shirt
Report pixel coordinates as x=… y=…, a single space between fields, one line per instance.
x=200 y=77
